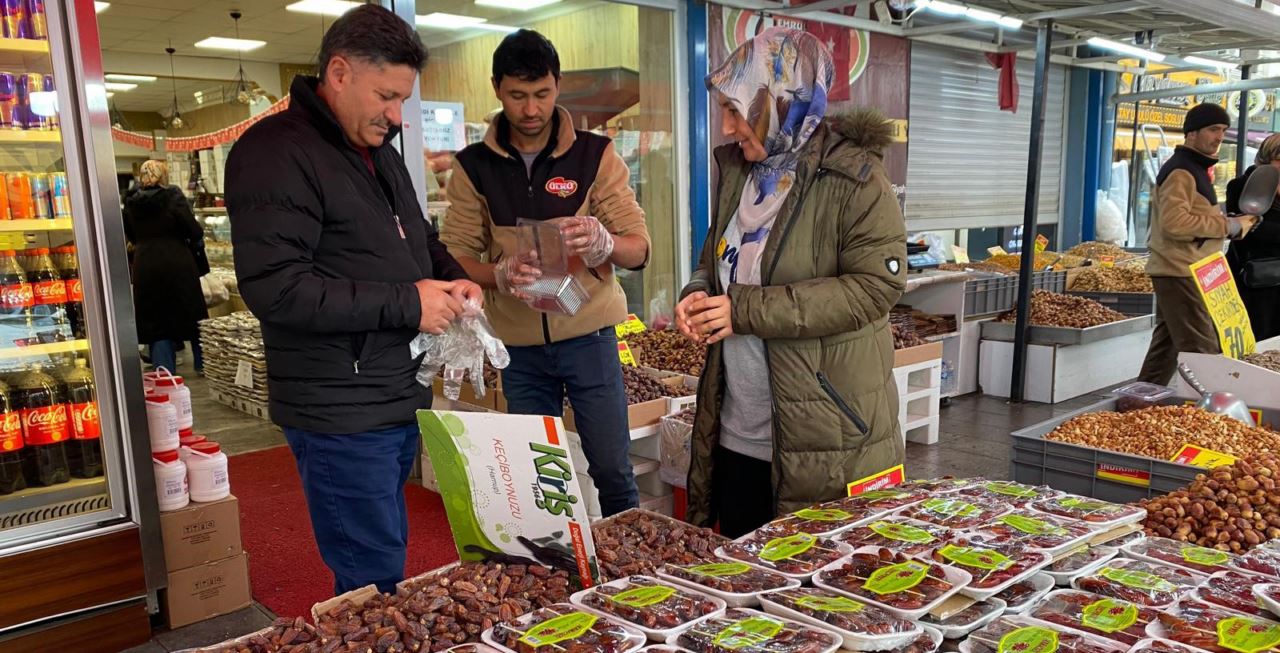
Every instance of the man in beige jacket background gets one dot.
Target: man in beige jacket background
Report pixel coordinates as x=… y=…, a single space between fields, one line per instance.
x=1187 y=226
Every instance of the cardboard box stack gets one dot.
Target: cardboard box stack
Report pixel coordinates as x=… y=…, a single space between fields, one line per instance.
x=208 y=568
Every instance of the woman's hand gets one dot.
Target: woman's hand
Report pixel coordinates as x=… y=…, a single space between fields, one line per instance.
x=684 y=313
x=712 y=319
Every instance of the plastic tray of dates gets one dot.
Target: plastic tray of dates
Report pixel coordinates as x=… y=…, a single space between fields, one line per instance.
x=559 y=627
x=471 y=648
x=928 y=642
x=1157 y=645
x=1015 y=494
x=1268 y=594
x=835 y=516
x=1083 y=560
x=1113 y=619
x=898 y=534
x=663 y=648
x=967 y=620
x=1010 y=634
x=657 y=608
x=1233 y=590
x=864 y=627
x=1100 y=514
x=1020 y=597
x=886 y=499
x=1261 y=560
x=942 y=485
x=954 y=511
x=993 y=567
x=907 y=587
x=740 y=630
x=737 y=583
x=794 y=555
x=1216 y=630
x=1138 y=581
x=1038 y=531
x=1180 y=554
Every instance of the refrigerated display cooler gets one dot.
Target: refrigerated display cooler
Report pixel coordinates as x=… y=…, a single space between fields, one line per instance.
x=80 y=561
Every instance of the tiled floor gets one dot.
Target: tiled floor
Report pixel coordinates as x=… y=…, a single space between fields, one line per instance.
x=973 y=441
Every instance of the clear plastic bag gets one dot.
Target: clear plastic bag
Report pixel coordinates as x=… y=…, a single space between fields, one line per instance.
x=460 y=350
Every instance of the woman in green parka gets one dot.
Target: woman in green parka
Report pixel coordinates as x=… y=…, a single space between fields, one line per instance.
x=805 y=257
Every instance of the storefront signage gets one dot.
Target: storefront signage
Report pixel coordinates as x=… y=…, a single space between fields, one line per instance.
x=443 y=126
x=1195 y=456
x=878 y=481
x=1218 y=290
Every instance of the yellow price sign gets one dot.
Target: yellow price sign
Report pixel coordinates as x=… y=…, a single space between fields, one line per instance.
x=625 y=355
x=13 y=240
x=1222 y=299
x=1108 y=261
x=1042 y=243
x=632 y=325
x=996 y=251
x=1195 y=456
x=961 y=254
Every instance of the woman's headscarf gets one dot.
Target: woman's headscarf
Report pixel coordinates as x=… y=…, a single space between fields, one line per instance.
x=778 y=81
x=153 y=173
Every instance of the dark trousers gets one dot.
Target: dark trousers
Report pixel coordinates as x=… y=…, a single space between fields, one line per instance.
x=587 y=368
x=164 y=353
x=1182 y=324
x=741 y=492
x=354 y=486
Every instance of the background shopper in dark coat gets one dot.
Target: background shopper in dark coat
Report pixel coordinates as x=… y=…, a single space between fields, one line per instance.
x=1263 y=242
x=167 y=300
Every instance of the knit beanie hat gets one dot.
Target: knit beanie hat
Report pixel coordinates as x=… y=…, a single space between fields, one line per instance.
x=1204 y=115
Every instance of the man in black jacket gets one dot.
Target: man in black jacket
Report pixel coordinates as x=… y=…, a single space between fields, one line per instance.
x=335 y=258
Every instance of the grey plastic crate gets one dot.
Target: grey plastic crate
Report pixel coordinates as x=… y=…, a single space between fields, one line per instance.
x=990 y=295
x=1053 y=281
x=1129 y=303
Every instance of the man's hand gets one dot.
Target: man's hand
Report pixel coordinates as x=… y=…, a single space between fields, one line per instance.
x=1239 y=226
x=587 y=238
x=513 y=272
x=439 y=307
x=465 y=289
x=684 y=312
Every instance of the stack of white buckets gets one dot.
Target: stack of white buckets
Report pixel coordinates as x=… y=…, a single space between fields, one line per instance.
x=188 y=467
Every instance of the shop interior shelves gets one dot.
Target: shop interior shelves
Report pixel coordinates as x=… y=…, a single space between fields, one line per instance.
x=25 y=46
x=47 y=349
x=56 y=224
x=14 y=506
x=30 y=136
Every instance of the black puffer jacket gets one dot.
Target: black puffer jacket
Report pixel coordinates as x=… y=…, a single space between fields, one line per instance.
x=167 y=300
x=321 y=262
x=1263 y=304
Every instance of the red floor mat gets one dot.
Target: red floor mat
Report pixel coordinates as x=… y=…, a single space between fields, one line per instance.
x=285 y=569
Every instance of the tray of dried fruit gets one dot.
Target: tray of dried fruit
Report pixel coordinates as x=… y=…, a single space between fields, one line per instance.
x=741 y=630
x=907 y=587
x=560 y=627
x=657 y=608
x=794 y=555
x=737 y=583
x=863 y=626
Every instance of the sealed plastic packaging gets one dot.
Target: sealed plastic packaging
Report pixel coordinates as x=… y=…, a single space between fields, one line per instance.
x=1268 y=595
x=864 y=627
x=559 y=627
x=460 y=350
x=795 y=555
x=940 y=485
x=1082 y=561
x=1022 y=596
x=1010 y=634
x=1015 y=494
x=738 y=583
x=1100 y=514
x=1140 y=582
x=967 y=620
x=1233 y=590
x=1120 y=621
x=748 y=631
x=1181 y=554
x=1157 y=645
x=1216 y=630
x=835 y=516
x=655 y=607
x=898 y=534
x=1037 y=531
x=1261 y=560
x=471 y=648
x=663 y=648
x=907 y=587
x=927 y=642
x=992 y=567
x=887 y=500
x=954 y=511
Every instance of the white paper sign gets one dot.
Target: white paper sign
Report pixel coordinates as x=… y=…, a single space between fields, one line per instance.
x=443 y=126
x=244 y=375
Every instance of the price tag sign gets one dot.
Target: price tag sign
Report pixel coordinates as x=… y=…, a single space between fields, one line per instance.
x=244 y=375
x=13 y=240
x=878 y=481
x=1108 y=261
x=961 y=254
x=624 y=354
x=632 y=325
x=1218 y=290
x=1042 y=243
x=1195 y=456
x=996 y=251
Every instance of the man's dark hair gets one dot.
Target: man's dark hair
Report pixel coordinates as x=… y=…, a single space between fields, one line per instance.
x=527 y=56
x=374 y=34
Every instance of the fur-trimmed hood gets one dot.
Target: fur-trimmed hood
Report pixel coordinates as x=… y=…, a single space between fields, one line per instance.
x=863 y=127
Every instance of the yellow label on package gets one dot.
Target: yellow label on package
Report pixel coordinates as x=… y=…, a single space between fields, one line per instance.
x=1042 y=243
x=1222 y=299
x=961 y=254
x=559 y=629
x=1195 y=456
x=625 y=356
x=632 y=325
x=1108 y=261
x=1247 y=635
x=996 y=251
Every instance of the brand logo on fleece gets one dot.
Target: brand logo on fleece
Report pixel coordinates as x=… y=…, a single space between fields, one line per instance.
x=561 y=186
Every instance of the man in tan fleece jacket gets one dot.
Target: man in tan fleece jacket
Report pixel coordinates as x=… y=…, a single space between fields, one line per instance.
x=1187 y=226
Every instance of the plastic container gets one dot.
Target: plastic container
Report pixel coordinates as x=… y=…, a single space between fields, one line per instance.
x=1162 y=550
x=179 y=395
x=967 y=620
x=1032 y=636
x=656 y=648
x=796 y=555
x=1036 y=531
x=1142 y=391
x=936 y=486
x=1102 y=515
x=558 y=627
x=738 y=584
x=994 y=568
x=171 y=480
x=1190 y=621
x=1157 y=645
x=874 y=503
x=188 y=440
x=887 y=576
x=928 y=642
x=1263 y=560
x=1233 y=590
x=955 y=511
x=641 y=600
x=750 y=631
x=1268 y=595
x=1020 y=597
x=1153 y=585
x=162 y=423
x=1009 y=492
x=475 y=647
x=1085 y=561
x=849 y=618
x=1119 y=621
x=207 y=471
x=898 y=534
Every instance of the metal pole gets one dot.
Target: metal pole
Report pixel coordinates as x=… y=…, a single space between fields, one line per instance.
x=1131 y=210
x=1242 y=124
x=1043 y=39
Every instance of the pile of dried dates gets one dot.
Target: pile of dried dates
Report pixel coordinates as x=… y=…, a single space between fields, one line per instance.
x=636 y=542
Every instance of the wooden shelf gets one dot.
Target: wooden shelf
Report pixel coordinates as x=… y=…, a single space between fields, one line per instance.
x=30 y=136
x=49 y=349
x=57 y=224
x=25 y=46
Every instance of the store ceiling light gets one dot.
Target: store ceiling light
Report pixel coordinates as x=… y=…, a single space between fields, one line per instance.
x=121 y=77
x=119 y=86
x=507 y=29
x=518 y=5
x=323 y=7
x=1209 y=63
x=223 y=43
x=1125 y=48
x=945 y=8
x=99 y=7
x=441 y=20
x=972 y=13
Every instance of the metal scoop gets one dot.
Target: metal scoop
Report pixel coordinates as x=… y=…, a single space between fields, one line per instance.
x=1222 y=403
x=1260 y=190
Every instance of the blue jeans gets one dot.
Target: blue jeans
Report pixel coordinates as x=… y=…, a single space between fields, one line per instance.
x=164 y=353
x=587 y=367
x=354 y=485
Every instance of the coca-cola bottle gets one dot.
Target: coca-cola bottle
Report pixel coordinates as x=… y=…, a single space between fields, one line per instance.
x=46 y=427
x=11 y=476
x=50 y=298
x=84 y=451
x=68 y=265
x=17 y=301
